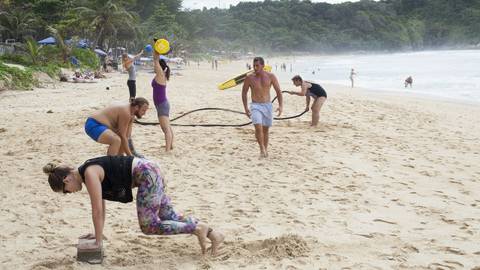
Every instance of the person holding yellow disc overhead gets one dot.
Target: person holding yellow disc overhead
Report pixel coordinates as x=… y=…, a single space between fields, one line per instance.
x=162 y=46
x=159 y=85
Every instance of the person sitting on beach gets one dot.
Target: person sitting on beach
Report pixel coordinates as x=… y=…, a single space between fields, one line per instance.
x=77 y=75
x=409 y=81
x=159 y=85
x=113 y=126
x=261 y=108
x=99 y=75
x=308 y=90
x=112 y=178
x=129 y=66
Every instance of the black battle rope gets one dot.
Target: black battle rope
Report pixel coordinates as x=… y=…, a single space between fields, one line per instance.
x=215 y=125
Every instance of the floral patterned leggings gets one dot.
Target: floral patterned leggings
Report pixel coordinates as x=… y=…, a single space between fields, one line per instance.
x=154 y=209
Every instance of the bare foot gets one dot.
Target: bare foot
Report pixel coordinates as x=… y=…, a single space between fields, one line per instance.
x=216 y=238
x=201 y=232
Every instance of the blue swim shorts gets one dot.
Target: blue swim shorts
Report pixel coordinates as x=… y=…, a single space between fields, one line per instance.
x=262 y=113
x=94 y=129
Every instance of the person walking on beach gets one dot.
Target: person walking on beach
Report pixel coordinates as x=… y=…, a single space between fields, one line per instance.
x=308 y=90
x=352 y=76
x=409 y=81
x=129 y=66
x=261 y=108
x=159 y=85
x=112 y=178
x=113 y=126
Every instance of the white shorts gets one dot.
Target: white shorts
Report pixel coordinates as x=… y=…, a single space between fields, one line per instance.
x=261 y=113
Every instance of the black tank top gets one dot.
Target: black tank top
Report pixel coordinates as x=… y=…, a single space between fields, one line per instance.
x=117 y=183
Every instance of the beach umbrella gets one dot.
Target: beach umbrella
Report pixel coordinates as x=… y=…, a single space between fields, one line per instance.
x=100 y=52
x=82 y=43
x=47 y=41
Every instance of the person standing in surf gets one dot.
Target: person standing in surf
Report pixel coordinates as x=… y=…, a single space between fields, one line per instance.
x=352 y=77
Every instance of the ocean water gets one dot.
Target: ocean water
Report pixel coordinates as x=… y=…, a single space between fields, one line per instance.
x=451 y=74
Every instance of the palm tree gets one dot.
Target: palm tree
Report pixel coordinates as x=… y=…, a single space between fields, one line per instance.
x=60 y=43
x=17 y=23
x=106 y=17
x=33 y=50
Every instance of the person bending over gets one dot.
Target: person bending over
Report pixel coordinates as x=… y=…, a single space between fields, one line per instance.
x=310 y=90
x=112 y=178
x=113 y=126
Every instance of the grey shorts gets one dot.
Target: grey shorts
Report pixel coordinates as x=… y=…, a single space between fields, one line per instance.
x=163 y=109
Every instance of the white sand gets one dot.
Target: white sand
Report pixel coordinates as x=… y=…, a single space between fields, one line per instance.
x=385 y=182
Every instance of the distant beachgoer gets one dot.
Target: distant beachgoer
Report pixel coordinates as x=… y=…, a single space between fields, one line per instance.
x=352 y=76
x=112 y=178
x=309 y=89
x=113 y=126
x=78 y=75
x=261 y=107
x=409 y=81
x=159 y=85
x=128 y=65
x=216 y=63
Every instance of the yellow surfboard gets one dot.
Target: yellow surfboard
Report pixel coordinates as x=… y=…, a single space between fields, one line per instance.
x=237 y=80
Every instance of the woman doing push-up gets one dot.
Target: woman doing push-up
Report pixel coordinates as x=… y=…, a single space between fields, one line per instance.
x=113 y=178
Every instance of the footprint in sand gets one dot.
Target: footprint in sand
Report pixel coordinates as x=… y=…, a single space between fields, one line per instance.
x=454 y=250
x=447 y=265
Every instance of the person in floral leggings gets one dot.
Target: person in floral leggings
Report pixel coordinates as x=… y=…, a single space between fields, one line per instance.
x=112 y=178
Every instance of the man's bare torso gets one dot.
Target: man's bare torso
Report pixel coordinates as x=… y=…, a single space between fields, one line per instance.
x=260 y=85
x=110 y=116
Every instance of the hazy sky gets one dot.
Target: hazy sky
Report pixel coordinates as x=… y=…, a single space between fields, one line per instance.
x=199 y=4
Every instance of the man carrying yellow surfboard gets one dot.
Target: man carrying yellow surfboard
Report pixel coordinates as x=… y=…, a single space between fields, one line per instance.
x=260 y=110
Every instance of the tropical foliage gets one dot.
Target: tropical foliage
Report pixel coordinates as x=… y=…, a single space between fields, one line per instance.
x=284 y=25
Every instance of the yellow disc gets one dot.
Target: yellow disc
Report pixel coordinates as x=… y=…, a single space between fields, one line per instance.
x=162 y=46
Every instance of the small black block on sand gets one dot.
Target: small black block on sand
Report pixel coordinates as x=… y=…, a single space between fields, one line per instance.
x=93 y=256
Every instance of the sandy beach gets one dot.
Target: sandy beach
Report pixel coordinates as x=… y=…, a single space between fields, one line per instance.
x=385 y=181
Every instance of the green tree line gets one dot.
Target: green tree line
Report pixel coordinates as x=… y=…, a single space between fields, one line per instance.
x=281 y=26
